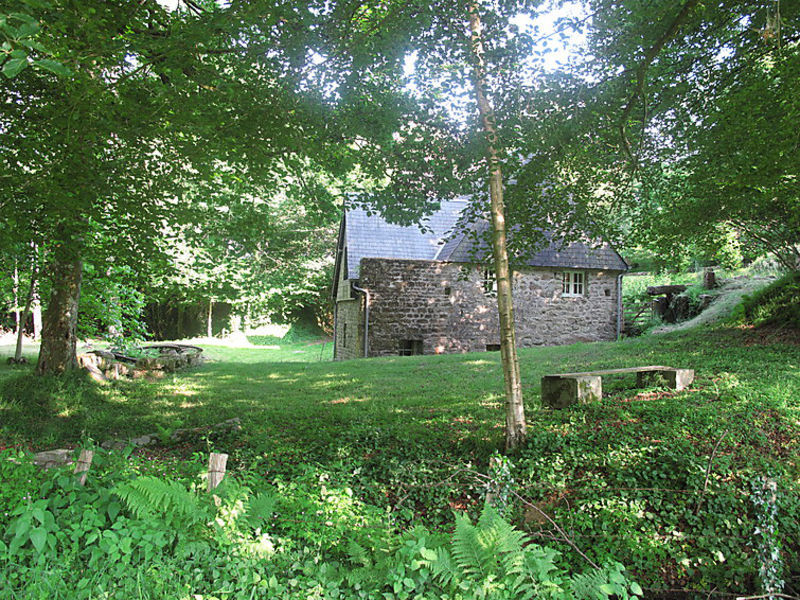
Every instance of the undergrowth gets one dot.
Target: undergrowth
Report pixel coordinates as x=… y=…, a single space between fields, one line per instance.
x=778 y=304
x=125 y=535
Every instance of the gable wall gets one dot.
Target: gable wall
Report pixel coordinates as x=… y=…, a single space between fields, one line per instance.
x=409 y=301
x=349 y=314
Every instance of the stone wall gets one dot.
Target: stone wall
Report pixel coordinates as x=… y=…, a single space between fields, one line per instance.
x=349 y=329
x=442 y=305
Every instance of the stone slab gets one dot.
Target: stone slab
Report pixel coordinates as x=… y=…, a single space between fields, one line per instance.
x=565 y=389
x=561 y=392
x=53 y=458
x=676 y=379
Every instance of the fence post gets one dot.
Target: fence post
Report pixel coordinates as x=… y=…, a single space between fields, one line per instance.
x=83 y=465
x=216 y=469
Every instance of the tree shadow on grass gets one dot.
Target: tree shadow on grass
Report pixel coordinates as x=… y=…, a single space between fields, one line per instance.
x=49 y=409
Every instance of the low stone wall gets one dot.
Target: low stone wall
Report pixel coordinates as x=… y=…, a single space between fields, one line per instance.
x=103 y=365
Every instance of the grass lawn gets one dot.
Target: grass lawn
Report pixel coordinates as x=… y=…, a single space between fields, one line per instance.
x=659 y=480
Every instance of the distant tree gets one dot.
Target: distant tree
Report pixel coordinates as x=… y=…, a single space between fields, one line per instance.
x=153 y=101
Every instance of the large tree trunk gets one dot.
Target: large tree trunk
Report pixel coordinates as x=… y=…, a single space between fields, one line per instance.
x=515 y=408
x=59 y=336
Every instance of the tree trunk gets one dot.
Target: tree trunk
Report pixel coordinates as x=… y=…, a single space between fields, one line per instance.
x=15 y=292
x=209 y=322
x=37 y=315
x=515 y=408
x=25 y=314
x=59 y=336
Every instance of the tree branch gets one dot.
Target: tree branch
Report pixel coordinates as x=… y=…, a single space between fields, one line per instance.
x=641 y=72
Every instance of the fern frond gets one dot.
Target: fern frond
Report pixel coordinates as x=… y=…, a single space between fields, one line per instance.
x=585 y=585
x=444 y=568
x=149 y=496
x=358 y=554
x=470 y=554
x=260 y=508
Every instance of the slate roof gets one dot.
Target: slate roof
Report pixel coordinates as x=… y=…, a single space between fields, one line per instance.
x=466 y=247
x=370 y=236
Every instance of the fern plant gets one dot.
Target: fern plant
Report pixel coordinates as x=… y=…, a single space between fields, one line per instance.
x=169 y=501
x=491 y=560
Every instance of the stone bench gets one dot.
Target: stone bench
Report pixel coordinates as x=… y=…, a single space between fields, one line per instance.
x=565 y=389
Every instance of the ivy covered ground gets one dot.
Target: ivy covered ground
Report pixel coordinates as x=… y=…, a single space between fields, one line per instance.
x=676 y=487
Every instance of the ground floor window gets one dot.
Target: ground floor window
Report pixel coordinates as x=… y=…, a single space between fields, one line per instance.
x=573 y=283
x=410 y=347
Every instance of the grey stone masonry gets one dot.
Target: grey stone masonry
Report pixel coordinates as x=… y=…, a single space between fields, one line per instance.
x=349 y=328
x=443 y=306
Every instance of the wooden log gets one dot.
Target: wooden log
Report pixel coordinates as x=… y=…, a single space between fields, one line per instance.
x=83 y=465
x=216 y=469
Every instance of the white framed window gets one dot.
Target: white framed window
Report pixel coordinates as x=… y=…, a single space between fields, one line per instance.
x=573 y=283
x=489 y=282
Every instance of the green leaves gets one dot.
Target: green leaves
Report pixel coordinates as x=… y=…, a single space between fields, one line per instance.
x=53 y=66
x=38 y=538
x=13 y=66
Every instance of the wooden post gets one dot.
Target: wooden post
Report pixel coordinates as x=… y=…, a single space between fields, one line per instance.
x=709 y=279
x=216 y=469
x=83 y=464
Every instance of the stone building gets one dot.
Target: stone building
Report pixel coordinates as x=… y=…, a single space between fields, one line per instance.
x=407 y=290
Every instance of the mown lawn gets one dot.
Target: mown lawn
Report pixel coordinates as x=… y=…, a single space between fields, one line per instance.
x=660 y=481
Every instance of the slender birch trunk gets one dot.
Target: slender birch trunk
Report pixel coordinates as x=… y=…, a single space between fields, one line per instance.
x=59 y=330
x=210 y=322
x=15 y=293
x=26 y=313
x=37 y=315
x=515 y=408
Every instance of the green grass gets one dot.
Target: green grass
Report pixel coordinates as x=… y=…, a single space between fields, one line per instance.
x=409 y=433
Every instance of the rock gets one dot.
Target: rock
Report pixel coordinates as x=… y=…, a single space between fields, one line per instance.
x=145 y=440
x=53 y=458
x=669 y=290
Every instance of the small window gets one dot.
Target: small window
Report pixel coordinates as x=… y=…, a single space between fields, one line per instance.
x=410 y=347
x=489 y=283
x=344 y=335
x=493 y=347
x=572 y=283
x=447 y=291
